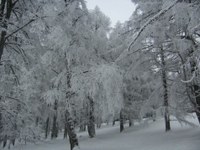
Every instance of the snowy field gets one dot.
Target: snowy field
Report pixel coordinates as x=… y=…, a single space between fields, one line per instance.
x=144 y=136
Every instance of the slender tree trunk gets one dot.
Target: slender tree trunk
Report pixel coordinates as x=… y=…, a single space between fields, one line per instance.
x=121 y=118
x=69 y=122
x=154 y=113
x=36 y=121
x=165 y=92
x=12 y=142
x=65 y=131
x=197 y=97
x=1 y=126
x=5 y=141
x=154 y=116
x=130 y=121
x=71 y=131
x=91 y=122
x=5 y=10
x=113 y=123
x=54 y=133
x=83 y=118
x=99 y=121
x=5 y=13
x=98 y=125
x=83 y=127
x=47 y=128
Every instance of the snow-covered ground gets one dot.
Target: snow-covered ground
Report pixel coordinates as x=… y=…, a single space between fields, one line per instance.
x=143 y=136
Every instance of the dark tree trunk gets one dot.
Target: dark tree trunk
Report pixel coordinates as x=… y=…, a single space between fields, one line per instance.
x=5 y=13
x=91 y=121
x=165 y=92
x=47 y=128
x=197 y=97
x=130 y=121
x=71 y=131
x=37 y=121
x=121 y=118
x=83 y=127
x=154 y=117
x=54 y=132
x=65 y=131
x=12 y=142
x=5 y=10
x=5 y=141
x=192 y=89
x=154 y=113
x=98 y=121
x=113 y=123
x=69 y=122
x=2 y=43
x=195 y=87
x=1 y=126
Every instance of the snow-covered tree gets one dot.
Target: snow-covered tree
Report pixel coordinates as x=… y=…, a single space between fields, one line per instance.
x=163 y=31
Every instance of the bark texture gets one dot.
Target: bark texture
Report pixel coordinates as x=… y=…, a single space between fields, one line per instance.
x=121 y=118
x=165 y=92
x=91 y=121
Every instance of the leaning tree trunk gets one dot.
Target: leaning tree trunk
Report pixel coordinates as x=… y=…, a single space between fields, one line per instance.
x=165 y=92
x=91 y=121
x=121 y=119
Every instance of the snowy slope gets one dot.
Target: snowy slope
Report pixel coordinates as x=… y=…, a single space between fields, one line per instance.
x=140 y=137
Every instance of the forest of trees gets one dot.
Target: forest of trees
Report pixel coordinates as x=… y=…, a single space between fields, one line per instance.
x=63 y=67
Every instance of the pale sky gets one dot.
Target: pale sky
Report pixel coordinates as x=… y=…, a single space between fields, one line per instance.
x=116 y=10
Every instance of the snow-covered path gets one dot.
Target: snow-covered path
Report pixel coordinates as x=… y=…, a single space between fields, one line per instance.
x=140 y=137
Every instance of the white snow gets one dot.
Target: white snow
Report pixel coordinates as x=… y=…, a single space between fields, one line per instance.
x=143 y=136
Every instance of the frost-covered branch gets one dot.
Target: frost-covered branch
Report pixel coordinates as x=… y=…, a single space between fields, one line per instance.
x=151 y=20
x=190 y=80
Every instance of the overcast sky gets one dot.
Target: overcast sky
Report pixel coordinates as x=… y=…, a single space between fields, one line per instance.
x=116 y=10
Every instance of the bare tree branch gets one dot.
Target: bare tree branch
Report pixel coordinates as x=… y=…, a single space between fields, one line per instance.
x=17 y=30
